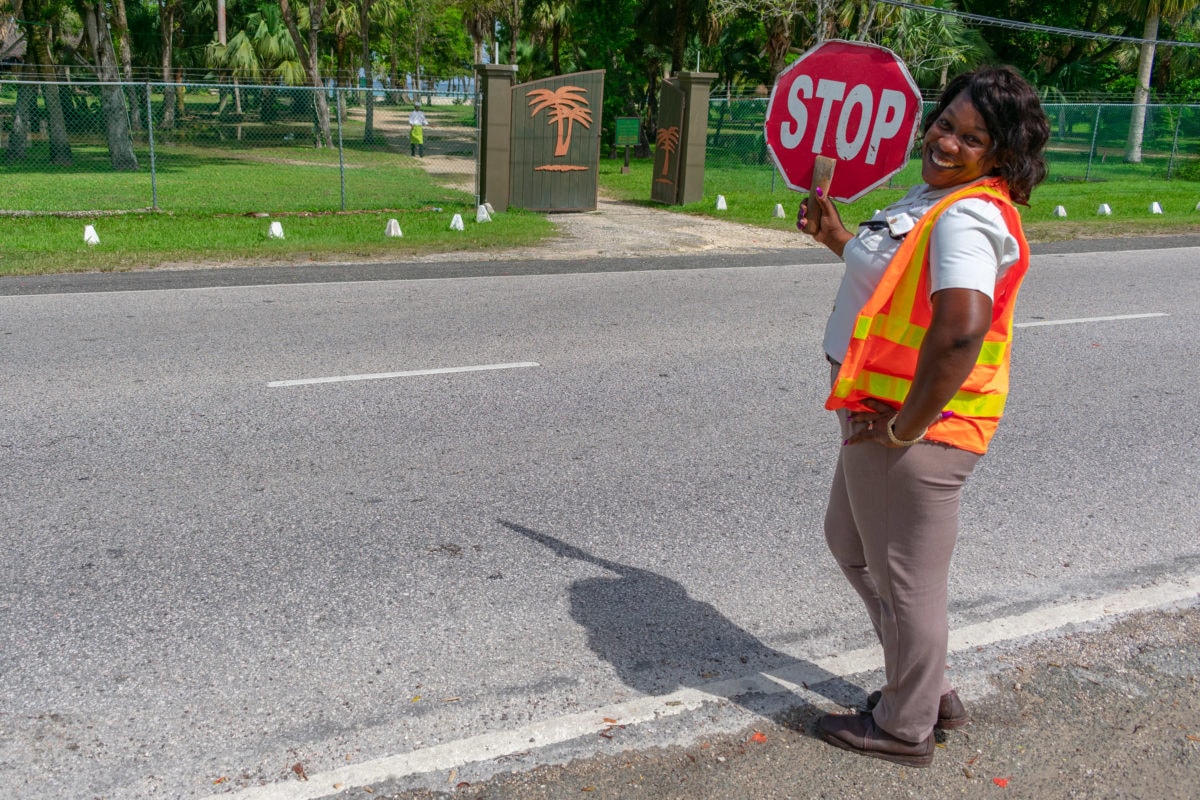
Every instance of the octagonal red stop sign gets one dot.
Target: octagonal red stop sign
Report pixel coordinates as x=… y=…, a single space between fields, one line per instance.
x=852 y=101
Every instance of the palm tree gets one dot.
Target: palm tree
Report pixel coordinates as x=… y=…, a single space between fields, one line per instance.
x=261 y=51
x=112 y=98
x=551 y=19
x=1151 y=12
x=567 y=104
x=306 y=49
x=779 y=22
x=120 y=23
x=479 y=17
x=39 y=18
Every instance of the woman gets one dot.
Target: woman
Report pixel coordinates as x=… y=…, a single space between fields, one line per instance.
x=416 y=131
x=919 y=341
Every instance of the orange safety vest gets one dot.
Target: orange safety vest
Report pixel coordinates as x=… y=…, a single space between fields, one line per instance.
x=889 y=330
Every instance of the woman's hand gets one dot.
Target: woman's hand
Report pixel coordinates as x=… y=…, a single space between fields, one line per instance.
x=875 y=420
x=830 y=230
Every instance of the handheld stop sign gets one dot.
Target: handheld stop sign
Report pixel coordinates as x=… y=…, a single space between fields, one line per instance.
x=849 y=104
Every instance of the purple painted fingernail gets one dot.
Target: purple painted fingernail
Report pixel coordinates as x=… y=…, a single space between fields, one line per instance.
x=819 y=192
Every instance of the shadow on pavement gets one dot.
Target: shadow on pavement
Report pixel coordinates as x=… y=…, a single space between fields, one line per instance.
x=659 y=639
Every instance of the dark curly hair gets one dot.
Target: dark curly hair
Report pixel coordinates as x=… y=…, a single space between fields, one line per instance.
x=1014 y=118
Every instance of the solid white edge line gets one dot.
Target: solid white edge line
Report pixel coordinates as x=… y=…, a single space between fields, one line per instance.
x=643 y=709
x=1085 y=319
x=407 y=374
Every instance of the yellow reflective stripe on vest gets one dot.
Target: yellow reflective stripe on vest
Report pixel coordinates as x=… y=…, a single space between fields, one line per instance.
x=908 y=336
x=991 y=354
x=895 y=389
x=898 y=317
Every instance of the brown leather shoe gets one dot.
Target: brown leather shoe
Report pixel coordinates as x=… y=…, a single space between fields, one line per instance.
x=952 y=714
x=858 y=733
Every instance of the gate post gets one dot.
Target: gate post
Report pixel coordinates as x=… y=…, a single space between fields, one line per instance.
x=495 y=132
x=694 y=136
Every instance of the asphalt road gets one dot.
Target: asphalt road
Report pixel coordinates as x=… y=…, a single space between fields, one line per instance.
x=210 y=579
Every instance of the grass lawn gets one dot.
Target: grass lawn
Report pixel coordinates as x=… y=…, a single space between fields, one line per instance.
x=217 y=187
x=752 y=193
x=40 y=245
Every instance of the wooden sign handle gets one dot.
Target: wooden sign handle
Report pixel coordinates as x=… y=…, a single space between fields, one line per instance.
x=822 y=178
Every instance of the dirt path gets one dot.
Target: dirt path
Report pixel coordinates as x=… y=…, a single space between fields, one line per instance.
x=625 y=230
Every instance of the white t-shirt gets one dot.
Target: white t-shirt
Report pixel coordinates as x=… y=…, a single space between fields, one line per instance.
x=970 y=247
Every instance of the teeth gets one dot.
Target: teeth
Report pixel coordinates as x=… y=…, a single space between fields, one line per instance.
x=938 y=162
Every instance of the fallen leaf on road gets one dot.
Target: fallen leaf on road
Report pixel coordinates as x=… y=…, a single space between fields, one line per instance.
x=588 y=789
x=1193 y=738
x=759 y=737
x=1001 y=782
x=610 y=720
x=298 y=768
x=222 y=779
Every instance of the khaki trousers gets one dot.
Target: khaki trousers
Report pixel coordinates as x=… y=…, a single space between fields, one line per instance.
x=891 y=525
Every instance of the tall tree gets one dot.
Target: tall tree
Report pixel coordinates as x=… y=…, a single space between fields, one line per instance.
x=112 y=98
x=479 y=16
x=26 y=106
x=1152 y=13
x=120 y=21
x=364 y=32
x=39 y=20
x=343 y=22
x=779 y=19
x=168 y=19
x=306 y=49
x=384 y=14
x=550 y=22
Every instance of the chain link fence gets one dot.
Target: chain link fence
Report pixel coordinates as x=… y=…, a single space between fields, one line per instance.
x=225 y=148
x=1087 y=141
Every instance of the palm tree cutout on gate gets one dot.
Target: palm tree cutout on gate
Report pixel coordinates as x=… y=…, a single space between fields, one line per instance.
x=567 y=106
x=668 y=141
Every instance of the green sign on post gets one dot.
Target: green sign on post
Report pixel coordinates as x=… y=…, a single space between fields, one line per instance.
x=628 y=131
x=627 y=136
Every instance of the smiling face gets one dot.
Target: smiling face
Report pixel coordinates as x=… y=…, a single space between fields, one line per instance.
x=957 y=148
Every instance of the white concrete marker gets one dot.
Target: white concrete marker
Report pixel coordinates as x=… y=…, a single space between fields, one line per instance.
x=489 y=208
x=482 y=215
x=456 y=224
x=1155 y=208
x=90 y=236
x=1059 y=211
x=1104 y=210
x=1198 y=206
x=393 y=229
x=721 y=206
x=275 y=231
x=779 y=210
